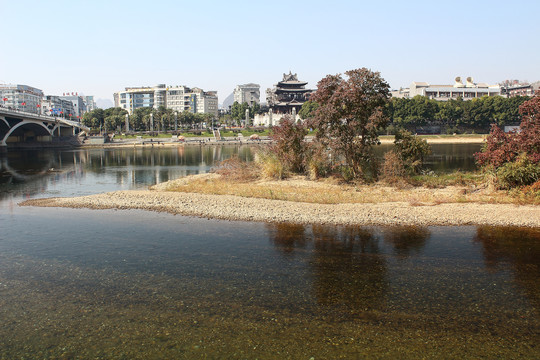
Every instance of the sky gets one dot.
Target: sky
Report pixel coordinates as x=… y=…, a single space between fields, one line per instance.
x=101 y=47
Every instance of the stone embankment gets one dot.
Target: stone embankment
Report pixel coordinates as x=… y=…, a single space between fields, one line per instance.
x=228 y=207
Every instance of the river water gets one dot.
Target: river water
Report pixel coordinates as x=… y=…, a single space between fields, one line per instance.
x=78 y=283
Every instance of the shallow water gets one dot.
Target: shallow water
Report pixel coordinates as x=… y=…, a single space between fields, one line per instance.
x=78 y=283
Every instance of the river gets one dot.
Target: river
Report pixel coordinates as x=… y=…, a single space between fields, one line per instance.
x=79 y=283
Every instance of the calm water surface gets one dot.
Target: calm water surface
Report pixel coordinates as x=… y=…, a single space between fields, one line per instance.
x=78 y=283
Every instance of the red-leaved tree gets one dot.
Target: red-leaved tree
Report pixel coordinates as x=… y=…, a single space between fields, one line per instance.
x=502 y=148
x=349 y=115
x=289 y=144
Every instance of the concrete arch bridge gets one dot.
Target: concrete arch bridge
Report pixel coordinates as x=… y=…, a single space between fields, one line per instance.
x=23 y=127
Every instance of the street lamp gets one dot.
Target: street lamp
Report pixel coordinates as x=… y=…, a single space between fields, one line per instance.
x=176 y=122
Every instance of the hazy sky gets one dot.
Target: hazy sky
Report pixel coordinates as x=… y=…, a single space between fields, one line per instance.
x=99 y=47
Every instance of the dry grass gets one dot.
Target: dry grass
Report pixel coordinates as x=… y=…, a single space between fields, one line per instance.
x=329 y=191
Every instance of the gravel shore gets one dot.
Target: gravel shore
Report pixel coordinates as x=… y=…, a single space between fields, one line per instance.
x=229 y=207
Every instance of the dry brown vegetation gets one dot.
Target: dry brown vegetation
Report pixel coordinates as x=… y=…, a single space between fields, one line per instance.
x=332 y=191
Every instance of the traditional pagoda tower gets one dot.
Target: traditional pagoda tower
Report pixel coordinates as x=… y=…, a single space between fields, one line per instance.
x=288 y=94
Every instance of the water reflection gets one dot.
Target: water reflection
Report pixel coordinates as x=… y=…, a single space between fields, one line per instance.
x=517 y=249
x=348 y=269
x=287 y=238
x=134 y=284
x=445 y=157
x=29 y=173
x=406 y=240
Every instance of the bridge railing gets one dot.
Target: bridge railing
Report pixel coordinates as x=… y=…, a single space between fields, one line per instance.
x=9 y=111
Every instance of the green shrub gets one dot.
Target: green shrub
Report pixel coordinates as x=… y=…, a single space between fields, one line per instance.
x=411 y=150
x=518 y=173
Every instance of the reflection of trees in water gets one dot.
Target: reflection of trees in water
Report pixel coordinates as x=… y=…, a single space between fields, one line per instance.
x=406 y=239
x=192 y=155
x=287 y=237
x=519 y=247
x=348 y=269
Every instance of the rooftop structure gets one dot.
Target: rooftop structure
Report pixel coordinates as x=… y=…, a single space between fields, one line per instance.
x=465 y=90
x=288 y=95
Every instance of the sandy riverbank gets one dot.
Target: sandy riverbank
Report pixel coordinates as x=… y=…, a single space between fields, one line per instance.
x=166 y=142
x=228 y=207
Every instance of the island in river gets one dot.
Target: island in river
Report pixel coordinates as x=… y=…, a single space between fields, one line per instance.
x=354 y=205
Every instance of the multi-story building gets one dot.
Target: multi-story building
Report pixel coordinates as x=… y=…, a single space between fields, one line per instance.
x=79 y=105
x=57 y=106
x=195 y=100
x=247 y=93
x=466 y=91
x=521 y=89
x=178 y=98
x=90 y=103
x=21 y=97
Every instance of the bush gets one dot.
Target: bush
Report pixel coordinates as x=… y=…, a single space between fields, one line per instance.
x=270 y=165
x=318 y=163
x=518 y=173
x=392 y=170
x=411 y=150
x=290 y=145
x=237 y=170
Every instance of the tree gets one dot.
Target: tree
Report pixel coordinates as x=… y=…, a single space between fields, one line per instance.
x=254 y=109
x=350 y=113
x=138 y=121
x=94 y=118
x=308 y=109
x=238 y=111
x=501 y=148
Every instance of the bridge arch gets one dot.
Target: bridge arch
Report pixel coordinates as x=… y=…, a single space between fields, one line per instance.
x=38 y=128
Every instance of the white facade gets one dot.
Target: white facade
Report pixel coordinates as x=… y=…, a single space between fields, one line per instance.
x=178 y=98
x=271 y=119
x=21 y=97
x=248 y=93
x=466 y=91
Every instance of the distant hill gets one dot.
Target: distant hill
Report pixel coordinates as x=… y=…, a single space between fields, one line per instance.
x=104 y=103
x=229 y=100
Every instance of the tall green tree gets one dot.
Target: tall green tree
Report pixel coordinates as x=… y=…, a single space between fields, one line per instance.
x=308 y=109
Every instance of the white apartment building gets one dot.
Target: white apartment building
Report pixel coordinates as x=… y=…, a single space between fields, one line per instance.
x=21 y=97
x=178 y=98
x=182 y=98
x=248 y=93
